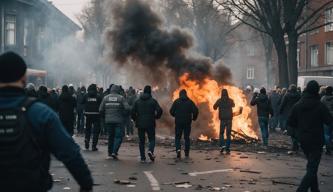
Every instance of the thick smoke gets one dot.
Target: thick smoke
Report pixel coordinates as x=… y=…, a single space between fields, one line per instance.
x=138 y=36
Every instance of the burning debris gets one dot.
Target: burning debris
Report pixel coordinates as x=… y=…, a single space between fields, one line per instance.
x=139 y=40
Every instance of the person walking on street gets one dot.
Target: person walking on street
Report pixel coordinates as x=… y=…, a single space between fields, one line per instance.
x=80 y=109
x=275 y=99
x=91 y=102
x=145 y=112
x=67 y=104
x=31 y=132
x=225 y=105
x=184 y=111
x=264 y=110
x=288 y=101
x=327 y=100
x=114 y=108
x=306 y=123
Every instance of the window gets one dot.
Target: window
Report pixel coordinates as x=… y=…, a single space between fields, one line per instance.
x=10 y=30
x=329 y=19
x=250 y=73
x=314 y=56
x=250 y=50
x=329 y=53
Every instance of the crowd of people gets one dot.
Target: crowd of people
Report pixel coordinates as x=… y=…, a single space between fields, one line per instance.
x=36 y=123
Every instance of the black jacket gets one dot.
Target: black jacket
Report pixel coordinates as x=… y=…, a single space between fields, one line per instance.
x=306 y=121
x=67 y=104
x=184 y=110
x=91 y=102
x=288 y=101
x=275 y=101
x=264 y=107
x=225 y=106
x=145 y=111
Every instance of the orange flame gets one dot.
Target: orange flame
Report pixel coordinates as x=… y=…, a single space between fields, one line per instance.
x=209 y=91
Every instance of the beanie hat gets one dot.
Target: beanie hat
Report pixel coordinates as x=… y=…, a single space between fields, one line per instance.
x=263 y=91
x=147 y=89
x=312 y=87
x=12 y=67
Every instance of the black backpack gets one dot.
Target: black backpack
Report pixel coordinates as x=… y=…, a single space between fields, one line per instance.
x=21 y=157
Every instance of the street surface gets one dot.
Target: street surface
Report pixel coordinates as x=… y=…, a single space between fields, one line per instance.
x=205 y=171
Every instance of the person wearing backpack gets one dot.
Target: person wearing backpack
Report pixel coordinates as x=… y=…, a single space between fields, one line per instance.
x=29 y=133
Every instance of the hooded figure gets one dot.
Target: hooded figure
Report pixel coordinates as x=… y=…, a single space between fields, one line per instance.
x=91 y=102
x=264 y=109
x=145 y=112
x=275 y=100
x=184 y=111
x=306 y=122
x=81 y=94
x=327 y=100
x=288 y=101
x=114 y=108
x=67 y=104
x=46 y=98
x=225 y=105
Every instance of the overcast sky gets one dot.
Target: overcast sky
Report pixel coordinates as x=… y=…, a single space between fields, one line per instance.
x=71 y=8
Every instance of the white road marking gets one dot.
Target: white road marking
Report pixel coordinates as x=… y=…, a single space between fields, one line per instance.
x=209 y=172
x=153 y=181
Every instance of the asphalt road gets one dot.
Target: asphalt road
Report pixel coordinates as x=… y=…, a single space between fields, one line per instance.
x=205 y=171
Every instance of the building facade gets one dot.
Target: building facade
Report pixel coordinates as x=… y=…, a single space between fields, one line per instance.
x=315 y=49
x=28 y=27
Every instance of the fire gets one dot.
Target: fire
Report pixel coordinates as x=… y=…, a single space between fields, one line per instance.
x=209 y=91
x=203 y=138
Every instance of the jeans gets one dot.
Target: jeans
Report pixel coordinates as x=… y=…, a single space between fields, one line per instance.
x=180 y=128
x=92 y=126
x=129 y=126
x=283 y=122
x=225 y=125
x=116 y=134
x=142 y=137
x=328 y=136
x=263 y=123
x=274 y=122
x=310 y=180
x=80 y=122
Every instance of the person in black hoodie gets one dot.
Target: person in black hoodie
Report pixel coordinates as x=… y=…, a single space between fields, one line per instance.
x=225 y=105
x=91 y=102
x=184 y=111
x=145 y=112
x=81 y=94
x=306 y=123
x=327 y=100
x=67 y=104
x=264 y=110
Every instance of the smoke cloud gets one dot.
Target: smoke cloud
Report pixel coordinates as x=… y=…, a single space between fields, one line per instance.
x=138 y=36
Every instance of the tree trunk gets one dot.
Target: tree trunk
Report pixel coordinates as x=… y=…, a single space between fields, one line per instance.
x=292 y=57
x=281 y=51
x=268 y=45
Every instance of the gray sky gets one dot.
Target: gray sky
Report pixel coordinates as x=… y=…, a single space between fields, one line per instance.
x=71 y=8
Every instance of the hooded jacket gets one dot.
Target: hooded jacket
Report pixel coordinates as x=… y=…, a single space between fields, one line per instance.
x=288 y=101
x=306 y=121
x=114 y=106
x=184 y=110
x=67 y=104
x=92 y=101
x=225 y=105
x=145 y=111
x=264 y=107
x=275 y=101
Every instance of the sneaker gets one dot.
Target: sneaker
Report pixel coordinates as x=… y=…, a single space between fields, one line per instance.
x=179 y=154
x=109 y=157
x=114 y=156
x=94 y=149
x=151 y=156
x=143 y=161
x=222 y=150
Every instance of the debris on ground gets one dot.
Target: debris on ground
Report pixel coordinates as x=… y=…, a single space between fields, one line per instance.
x=123 y=182
x=250 y=171
x=276 y=182
x=132 y=178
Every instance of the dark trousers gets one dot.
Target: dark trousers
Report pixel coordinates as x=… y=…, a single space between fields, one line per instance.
x=92 y=126
x=142 y=137
x=310 y=180
x=116 y=134
x=274 y=122
x=80 y=121
x=225 y=126
x=129 y=126
x=180 y=129
x=263 y=124
x=69 y=125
